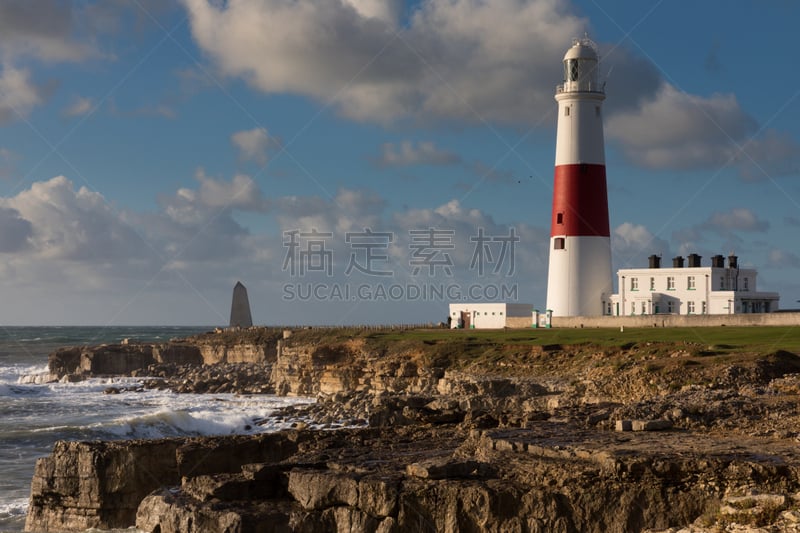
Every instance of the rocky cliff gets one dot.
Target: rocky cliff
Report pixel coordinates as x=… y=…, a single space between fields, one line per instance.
x=456 y=434
x=251 y=347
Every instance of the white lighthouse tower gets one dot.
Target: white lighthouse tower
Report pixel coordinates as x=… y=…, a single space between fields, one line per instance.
x=579 y=279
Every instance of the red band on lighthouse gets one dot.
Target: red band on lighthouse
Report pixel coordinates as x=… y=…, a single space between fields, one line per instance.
x=580 y=201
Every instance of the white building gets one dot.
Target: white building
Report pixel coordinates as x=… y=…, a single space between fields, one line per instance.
x=490 y=315
x=690 y=290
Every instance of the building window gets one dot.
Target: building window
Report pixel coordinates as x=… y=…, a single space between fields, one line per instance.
x=560 y=218
x=609 y=308
x=670 y=283
x=652 y=284
x=746 y=284
x=722 y=283
x=634 y=284
x=705 y=308
x=558 y=243
x=670 y=307
x=597 y=111
x=689 y=308
x=644 y=308
x=566 y=111
x=690 y=283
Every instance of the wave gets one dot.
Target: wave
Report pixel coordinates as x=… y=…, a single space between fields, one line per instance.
x=13 y=508
x=164 y=419
x=17 y=380
x=171 y=415
x=181 y=423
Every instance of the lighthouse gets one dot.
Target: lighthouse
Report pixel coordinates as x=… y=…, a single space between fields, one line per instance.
x=579 y=274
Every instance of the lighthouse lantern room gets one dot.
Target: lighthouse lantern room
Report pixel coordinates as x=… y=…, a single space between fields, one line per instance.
x=579 y=275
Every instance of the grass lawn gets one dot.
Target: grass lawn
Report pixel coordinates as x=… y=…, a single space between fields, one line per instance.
x=718 y=339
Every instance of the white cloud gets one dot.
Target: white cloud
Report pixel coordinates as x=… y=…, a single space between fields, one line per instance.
x=63 y=243
x=632 y=244
x=679 y=130
x=199 y=224
x=48 y=31
x=44 y=29
x=18 y=94
x=59 y=242
x=448 y=61
x=57 y=31
x=61 y=223
x=531 y=253
x=385 y=10
x=408 y=153
x=771 y=155
x=468 y=61
x=778 y=258
x=80 y=106
x=253 y=144
x=737 y=219
x=348 y=210
x=727 y=225
x=14 y=230
x=240 y=193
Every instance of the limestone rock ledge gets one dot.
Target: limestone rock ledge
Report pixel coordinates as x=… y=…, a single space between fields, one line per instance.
x=548 y=477
x=98 y=484
x=78 y=362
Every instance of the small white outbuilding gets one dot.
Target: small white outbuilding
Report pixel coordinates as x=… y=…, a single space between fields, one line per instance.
x=490 y=315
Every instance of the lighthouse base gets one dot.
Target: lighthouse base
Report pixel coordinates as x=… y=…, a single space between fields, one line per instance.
x=579 y=281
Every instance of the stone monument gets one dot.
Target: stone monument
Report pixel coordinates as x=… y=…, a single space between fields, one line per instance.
x=240 y=307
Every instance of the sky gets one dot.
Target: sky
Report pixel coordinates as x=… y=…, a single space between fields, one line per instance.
x=369 y=161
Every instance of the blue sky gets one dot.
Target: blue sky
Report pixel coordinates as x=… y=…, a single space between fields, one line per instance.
x=153 y=153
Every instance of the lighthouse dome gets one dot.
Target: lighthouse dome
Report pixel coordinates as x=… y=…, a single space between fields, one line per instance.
x=580 y=68
x=582 y=49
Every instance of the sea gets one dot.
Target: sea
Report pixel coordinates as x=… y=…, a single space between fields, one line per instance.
x=33 y=416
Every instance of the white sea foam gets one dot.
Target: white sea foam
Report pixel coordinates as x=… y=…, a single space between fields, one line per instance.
x=169 y=423
x=13 y=507
x=195 y=415
x=16 y=389
x=24 y=374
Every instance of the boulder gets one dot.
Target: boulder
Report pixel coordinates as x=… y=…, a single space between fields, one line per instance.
x=315 y=489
